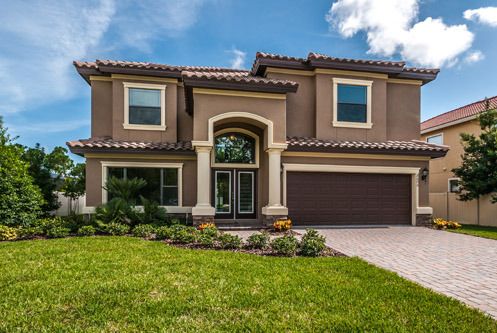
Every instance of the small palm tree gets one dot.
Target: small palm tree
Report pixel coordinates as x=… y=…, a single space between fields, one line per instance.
x=125 y=189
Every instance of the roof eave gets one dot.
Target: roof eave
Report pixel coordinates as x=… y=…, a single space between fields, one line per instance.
x=387 y=69
x=243 y=86
x=137 y=71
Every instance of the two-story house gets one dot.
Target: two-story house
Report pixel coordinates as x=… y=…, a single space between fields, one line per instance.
x=446 y=129
x=323 y=140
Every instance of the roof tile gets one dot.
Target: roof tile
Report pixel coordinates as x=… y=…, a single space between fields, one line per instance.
x=108 y=143
x=242 y=77
x=319 y=56
x=459 y=113
x=313 y=144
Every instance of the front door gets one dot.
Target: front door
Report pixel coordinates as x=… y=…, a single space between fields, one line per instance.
x=234 y=193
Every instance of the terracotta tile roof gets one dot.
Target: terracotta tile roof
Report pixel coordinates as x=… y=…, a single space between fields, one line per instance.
x=151 y=66
x=242 y=77
x=421 y=70
x=459 y=113
x=264 y=55
x=413 y=147
x=319 y=56
x=105 y=144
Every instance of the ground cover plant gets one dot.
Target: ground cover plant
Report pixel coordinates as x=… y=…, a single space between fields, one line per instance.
x=126 y=284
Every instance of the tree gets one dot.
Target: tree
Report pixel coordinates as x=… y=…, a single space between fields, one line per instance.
x=20 y=199
x=48 y=171
x=74 y=184
x=478 y=171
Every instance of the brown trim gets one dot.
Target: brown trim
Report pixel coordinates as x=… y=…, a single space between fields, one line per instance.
x=135 y=71
x=259 y=87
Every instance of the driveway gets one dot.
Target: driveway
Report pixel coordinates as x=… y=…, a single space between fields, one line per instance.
x=459 y=266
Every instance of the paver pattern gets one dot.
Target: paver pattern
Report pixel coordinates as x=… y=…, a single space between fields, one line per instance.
x=460 y=266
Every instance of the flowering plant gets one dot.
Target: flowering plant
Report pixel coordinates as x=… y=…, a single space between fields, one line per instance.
x=205 y=226
x=282 y=225
x=442 y=224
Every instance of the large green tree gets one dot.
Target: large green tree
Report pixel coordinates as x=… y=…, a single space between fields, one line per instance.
x=48 y=171
x=478 y=171
x=20 y=199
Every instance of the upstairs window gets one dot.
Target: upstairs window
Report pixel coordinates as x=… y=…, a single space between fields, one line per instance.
x=144 y=106
x=235 y=148
x=352 y=106
x=436 y=139
x=454 y=185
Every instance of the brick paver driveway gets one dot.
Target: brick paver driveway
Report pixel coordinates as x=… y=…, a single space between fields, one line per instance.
x=460 y=266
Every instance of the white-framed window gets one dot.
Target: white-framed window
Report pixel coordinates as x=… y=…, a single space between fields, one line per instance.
x=144 y=106
x=164 y=180
x=454 y=185
x=436 y=139
x=352 y=103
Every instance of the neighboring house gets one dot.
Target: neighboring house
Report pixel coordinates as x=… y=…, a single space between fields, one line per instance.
x=445 y=129
x=325 y=141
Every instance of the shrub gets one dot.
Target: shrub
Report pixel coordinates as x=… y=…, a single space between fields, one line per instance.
x=228 y=241
x=86 y=230
x=143 y=230
x=282 y=225
x=20 y=199
x=115 y=211
x=286 y=245
x=205 y=240
x=174 y=221
x=164 y=232
x=184 y=235
x=258 y=241
x=7 y=233
x=211 y=231
x=312 y=243
x=152 y=213
x=29 y=232
x=57 y=232
x=75 y=222
x=116 y=229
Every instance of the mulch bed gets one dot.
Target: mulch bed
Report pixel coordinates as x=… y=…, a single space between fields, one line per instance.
x=328 y=252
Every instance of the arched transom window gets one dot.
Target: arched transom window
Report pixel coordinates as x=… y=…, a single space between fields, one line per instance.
x=235 y=148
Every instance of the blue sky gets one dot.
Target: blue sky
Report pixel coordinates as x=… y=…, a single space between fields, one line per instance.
x=43 y=99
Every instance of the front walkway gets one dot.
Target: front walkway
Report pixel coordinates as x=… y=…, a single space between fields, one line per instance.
x=459 y=266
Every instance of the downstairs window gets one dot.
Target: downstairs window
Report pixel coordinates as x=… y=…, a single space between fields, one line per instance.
x=162 y=183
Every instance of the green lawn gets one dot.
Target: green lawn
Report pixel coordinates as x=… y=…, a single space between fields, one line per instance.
x=477 y=230
x=112 y=284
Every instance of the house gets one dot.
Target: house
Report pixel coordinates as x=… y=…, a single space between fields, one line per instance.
x=323 y=140
x=445 y=129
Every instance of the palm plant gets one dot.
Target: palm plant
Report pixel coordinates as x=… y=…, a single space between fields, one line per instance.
x=125 y=189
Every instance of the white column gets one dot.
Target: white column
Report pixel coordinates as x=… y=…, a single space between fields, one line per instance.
x=203 y=206
x=274 y=206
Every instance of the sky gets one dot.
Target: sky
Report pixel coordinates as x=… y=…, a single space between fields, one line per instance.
x=43 y=99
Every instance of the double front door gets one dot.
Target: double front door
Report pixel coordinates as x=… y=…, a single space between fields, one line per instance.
x=234 y=193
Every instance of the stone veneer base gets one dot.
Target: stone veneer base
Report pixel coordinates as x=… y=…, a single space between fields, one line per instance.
x=424 y=220
x=199 y=219
x=268 y=220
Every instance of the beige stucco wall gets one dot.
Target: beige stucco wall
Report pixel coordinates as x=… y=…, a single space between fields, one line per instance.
x=101 y=108
x=94 y=177
x=441 y=168
x=403 y=111
x=300 y=106
x=208 y=106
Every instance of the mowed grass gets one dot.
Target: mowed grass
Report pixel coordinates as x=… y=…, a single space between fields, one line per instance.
x=477 y=230
x=121 y=284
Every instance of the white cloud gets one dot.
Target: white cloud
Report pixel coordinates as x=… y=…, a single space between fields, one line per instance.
x=40 y=39
x=474 y=56
x=484 y=15
x=238 y=60
x=390 y=27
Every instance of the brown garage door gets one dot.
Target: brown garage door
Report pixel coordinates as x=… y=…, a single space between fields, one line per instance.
x=329 y=198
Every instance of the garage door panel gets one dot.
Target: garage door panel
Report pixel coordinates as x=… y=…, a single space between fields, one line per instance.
x=315 y=198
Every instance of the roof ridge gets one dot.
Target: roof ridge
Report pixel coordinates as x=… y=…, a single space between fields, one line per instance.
x=461 y=107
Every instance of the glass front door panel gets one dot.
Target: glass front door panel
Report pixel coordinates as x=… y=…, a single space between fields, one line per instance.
x=245 y=192
x=223 y=192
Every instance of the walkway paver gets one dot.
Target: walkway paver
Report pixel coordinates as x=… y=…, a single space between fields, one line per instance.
x=460 y=266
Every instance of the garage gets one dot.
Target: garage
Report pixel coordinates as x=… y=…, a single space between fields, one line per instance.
x=340 y=198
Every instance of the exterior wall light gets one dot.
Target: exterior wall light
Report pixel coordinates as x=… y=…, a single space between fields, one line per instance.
x=424 y=174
